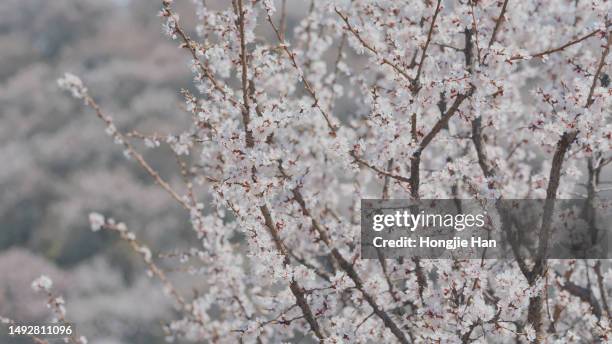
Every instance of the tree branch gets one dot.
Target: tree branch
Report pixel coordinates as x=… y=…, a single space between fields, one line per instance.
x=193 y=48
x=133 y=153
x=602 y=288
x=296 y=289
x=602 y=61
x=498 y=23
x=415 y=160
x=244 y=65
x=307 y=84
x=557 y=49
x=424 y=54
x=370 y=48
x=378 y=170
x=350 y=271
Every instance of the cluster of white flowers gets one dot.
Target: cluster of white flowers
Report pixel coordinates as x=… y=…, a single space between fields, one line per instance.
x=73 y=84
x=57 y=304
x=180 y=144
x=146 y=253
x=42 y=283
x=269 y=6
x=96 y=221
x=169 y=26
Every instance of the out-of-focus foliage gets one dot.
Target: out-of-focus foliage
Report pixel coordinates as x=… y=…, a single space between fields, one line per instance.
x=55 y=167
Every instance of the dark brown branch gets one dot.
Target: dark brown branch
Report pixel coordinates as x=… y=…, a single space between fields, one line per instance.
x=350 y=271
x=89 y=101
x=554 y=179
x=487 y=167
x=498 y=23
x=584 y=294
x=378 y=170
x=534 y=316
x=298 y=292
x=444 y=119
x=534 y=312
x=557 y=49
x=424 y=54
x=385 y=189
x=381 y=257
x=507 y=222
x=447 y=46
x=296 y=289
x=380 y=312
x=323 y=274
x=465 y=338
x=475 y=30
x=244 y=65
x=468 y=49
x=415 y=160
x=602 y=288
x=602 y=61
x=588 y=212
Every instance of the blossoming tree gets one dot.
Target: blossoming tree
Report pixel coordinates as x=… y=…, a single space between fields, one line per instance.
x=385 y=99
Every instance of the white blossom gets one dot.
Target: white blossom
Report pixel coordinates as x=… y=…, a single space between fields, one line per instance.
x=73 y=84
x=42 y=283
x=96 y=221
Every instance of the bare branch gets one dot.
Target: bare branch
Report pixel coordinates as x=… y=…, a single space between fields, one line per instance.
x=378 y=170
x=424 y=54
x=557 y=49
x=498 y=23
x=602 y=61
x=137 y=156
x=244 y=64
x=193 y=48
x=602 y=288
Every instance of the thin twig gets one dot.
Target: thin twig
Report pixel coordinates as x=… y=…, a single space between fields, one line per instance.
x=193 y=48
x=309 y=88
x=424 y=53
x=137 y=156
x=378 y=170
x=602 y=61
x=372 y=49
x=350 y=270
x=557 y=49
x=244 y=65
x=498 y=23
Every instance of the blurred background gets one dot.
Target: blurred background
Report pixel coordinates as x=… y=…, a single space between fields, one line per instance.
x=57 y=165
